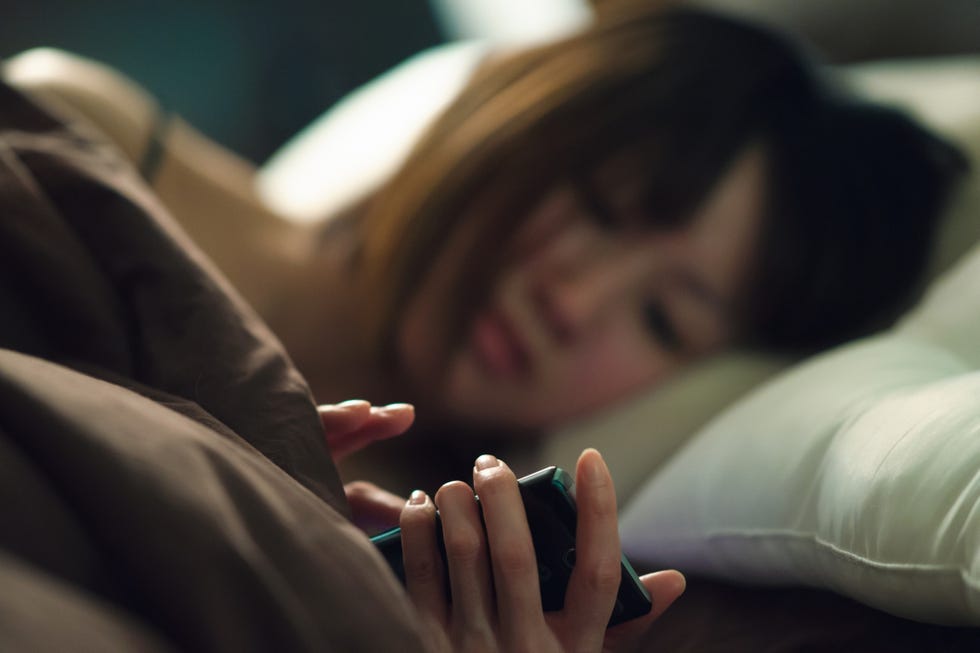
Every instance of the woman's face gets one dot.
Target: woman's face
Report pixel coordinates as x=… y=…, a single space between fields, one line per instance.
x=587 y=311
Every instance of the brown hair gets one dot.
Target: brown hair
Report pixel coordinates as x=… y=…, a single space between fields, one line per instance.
x=856 y=193
x=681 y=90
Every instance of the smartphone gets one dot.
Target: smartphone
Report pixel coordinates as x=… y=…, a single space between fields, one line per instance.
x=549 y=502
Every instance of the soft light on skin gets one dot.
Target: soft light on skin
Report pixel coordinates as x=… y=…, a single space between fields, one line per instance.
x=567 y=326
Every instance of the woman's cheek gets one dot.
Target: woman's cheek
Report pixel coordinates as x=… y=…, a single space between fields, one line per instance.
x=606 y=374
x=568 y=387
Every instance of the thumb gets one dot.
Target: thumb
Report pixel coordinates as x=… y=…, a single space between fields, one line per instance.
x=664 y=588
x=373 y=509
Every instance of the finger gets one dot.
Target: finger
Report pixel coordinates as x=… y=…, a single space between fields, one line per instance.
x=391 y=420
x=514 y=564
x=372 y=508
x=424 y=577
x=356 y=414
x=381 y=423
x=467 y=560
x=664 y=588
x=345 y=416
x=595 y=580
x=380 y=426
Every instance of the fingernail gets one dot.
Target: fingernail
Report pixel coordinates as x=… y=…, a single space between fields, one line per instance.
x=394 y=408
x=486 y=461
x=595 y=469
x=351 y=403
x=417 y=498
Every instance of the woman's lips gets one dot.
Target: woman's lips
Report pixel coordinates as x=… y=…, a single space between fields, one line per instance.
x=498 y=347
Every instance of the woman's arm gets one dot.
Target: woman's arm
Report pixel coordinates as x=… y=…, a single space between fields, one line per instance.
x=209 y=189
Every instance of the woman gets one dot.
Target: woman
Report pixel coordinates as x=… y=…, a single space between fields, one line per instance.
x=593 y=214
x=586 y=218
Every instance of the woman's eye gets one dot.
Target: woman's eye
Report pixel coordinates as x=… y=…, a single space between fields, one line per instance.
x=594 y=205
x=661 y=327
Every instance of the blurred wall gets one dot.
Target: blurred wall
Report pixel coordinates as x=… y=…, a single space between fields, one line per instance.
x=249 y=74
x=854 y=30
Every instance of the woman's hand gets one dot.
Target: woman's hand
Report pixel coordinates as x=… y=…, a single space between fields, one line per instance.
x=493 y=574
x=352 y=425
x=349 y=427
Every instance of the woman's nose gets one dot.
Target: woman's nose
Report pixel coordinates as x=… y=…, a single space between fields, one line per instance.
x=576 y=299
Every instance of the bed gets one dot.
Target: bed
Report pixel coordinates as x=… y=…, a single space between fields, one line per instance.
x=824 y=543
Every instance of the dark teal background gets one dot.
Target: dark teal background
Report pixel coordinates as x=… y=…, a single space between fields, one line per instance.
x=249 y=74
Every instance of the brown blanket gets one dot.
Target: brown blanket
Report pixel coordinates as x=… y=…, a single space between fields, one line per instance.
x=163 y=477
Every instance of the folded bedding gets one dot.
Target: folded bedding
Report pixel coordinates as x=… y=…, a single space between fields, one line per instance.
x=164 y=477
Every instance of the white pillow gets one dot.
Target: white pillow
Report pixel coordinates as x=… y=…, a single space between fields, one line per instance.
x=858 y=472
x=360 y=142
x=639 y=435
